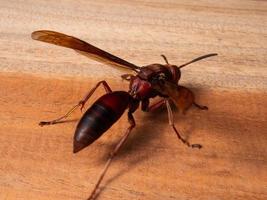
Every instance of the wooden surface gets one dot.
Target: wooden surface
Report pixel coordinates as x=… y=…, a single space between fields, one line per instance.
x=40 y=82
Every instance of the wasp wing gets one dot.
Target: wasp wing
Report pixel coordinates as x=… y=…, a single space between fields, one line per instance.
x=181 y=96
x=82 y=47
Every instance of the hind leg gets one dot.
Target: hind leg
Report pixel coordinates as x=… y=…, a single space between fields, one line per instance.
x=131 y=120
x=80 y=104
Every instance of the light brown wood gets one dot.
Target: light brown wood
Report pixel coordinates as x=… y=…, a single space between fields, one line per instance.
x=40 y=82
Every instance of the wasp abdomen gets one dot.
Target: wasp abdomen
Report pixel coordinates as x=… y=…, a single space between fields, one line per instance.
x=99 y=118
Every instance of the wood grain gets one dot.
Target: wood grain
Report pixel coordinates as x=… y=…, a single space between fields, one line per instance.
x=40 y=81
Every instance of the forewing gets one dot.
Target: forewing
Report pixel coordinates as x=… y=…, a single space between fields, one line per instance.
x=181 y=96
x=82 y=47
x=169 y=89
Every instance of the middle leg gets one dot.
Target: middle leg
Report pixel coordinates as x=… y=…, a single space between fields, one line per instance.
x=148 y=108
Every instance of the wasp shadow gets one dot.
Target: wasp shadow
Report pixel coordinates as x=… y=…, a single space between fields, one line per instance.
x=150 y=128
x=142 y=135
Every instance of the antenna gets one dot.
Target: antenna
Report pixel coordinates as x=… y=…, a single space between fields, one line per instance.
x=197 y=59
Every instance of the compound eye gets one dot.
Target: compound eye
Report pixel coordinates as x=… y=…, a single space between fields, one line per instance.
x=178 y=74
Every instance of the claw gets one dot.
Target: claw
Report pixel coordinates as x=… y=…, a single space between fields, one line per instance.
x=81 y=103
x=199 y=146
x=44 y=123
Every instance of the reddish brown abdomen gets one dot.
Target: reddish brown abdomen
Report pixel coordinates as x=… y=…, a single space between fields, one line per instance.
x=99 y=118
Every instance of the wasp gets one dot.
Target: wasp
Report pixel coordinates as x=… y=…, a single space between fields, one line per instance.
x=145 y=82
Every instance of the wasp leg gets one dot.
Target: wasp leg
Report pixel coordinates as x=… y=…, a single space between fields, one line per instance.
x=80 y=104
x=113 y=154
x=200 y=106
x=170 y=115
x=148 y=108
x=127 y=77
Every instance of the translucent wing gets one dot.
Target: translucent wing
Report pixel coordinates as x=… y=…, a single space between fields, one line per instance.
x=182 y=97
x=82 y=47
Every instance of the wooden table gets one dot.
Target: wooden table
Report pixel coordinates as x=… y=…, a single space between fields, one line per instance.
x=40 y=82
